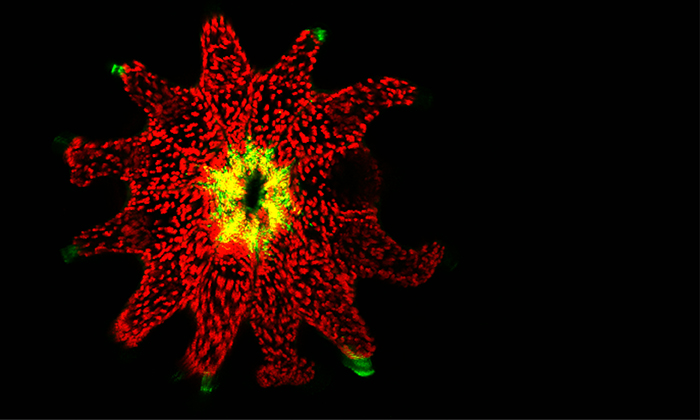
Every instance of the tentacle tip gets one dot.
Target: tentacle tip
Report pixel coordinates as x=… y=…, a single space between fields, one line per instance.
x=319 y=34
x=122 y=338
x=128 y=72
x=208 y=384
x=123 y=333
x=361 y=366
x=117 y=70
x=61 y=143
x=214 y=19
x=70 y=253
x=72 y=144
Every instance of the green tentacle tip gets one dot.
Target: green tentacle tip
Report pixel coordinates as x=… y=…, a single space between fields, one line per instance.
x=207 y=383
x=117 y=69
x=69 y=253
x=362 y=367
x=319 y=33
x=61 y=142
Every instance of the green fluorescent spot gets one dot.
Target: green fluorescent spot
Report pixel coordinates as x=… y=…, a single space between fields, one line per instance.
x=320 y=33
x=69 y=253
x=117 y=69
x=362 y=367
x=207 y=383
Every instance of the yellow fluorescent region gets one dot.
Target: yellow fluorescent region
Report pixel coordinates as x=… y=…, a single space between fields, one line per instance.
x=257 y=226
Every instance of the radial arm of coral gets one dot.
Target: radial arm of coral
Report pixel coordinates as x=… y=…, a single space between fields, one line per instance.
x=366 y=246
x=352 y=108
x=221 y=303
x=226 y=80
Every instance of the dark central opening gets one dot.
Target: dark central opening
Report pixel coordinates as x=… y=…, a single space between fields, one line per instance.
x=254 y=192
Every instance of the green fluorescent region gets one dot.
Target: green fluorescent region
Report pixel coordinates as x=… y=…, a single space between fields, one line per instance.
x=362 y=367
x=207 y=383
x=69 y=253
x=117 y=69
x=252 y=198
x=320 y=33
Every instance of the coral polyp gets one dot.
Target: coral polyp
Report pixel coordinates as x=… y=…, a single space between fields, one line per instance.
x=235 y=209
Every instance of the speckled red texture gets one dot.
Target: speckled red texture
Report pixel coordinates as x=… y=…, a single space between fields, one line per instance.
x=307 y=273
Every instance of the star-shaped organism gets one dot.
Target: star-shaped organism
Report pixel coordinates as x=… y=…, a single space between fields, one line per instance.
x=236 y=207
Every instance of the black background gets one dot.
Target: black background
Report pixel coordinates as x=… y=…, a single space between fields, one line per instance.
x=536 y=311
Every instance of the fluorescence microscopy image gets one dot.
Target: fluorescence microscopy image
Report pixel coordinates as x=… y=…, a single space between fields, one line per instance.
x=254 y=209
x=233 y=211
x=248 y=210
